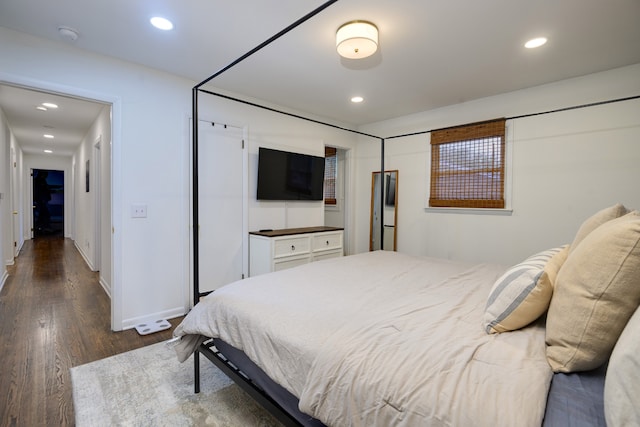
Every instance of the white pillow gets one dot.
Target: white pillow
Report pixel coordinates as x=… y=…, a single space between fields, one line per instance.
x=622 y=383
x=523 y=292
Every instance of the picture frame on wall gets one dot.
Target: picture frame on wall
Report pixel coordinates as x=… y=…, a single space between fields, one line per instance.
x=86 y=176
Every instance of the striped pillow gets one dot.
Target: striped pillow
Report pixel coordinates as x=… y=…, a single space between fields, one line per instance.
x=523 y=292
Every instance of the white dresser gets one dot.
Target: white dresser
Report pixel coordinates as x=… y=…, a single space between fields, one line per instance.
x=279 y=249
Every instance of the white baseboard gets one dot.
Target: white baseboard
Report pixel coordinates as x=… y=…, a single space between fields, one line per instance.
x=106 y=286
x=167 y=314
x=84 y=256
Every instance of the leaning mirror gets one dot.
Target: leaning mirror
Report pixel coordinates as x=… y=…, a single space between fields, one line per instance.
x=384 y=211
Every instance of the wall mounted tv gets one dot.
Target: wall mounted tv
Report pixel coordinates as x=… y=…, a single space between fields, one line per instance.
x=289 y=176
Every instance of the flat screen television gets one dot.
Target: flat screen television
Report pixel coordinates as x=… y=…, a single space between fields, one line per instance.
x=283 y=175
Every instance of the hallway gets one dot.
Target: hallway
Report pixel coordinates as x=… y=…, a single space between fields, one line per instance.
x=53 y=315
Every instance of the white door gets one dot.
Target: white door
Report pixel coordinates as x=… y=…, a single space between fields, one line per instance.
x=220 y=205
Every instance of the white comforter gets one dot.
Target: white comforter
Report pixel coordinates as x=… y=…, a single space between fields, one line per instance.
x=381 y=339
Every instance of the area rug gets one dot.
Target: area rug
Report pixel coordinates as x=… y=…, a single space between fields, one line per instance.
x=149 y=387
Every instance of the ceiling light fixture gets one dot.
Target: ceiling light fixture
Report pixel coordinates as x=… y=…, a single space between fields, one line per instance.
x=357 y=99
x=537 y=42
x=48 y=151
x=49 y=105
x=41 y=108
x=68 y=33
x=161 y=23
x=48 y=136
x=357 y=39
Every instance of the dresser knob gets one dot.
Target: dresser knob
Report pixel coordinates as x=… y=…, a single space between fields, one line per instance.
x=293 y=248
x=327 y=242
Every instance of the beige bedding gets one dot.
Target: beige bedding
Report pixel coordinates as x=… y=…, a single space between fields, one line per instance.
x=381 y=339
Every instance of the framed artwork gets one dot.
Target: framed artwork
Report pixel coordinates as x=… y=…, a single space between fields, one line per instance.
x=86 y=176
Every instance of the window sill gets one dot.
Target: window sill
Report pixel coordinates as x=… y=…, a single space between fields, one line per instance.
x=471 y=211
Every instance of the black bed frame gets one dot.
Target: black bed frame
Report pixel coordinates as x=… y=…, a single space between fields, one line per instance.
x=243 y=381
x=207 y=348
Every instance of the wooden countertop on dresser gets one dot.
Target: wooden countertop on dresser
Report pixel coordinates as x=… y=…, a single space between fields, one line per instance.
x=290 y=231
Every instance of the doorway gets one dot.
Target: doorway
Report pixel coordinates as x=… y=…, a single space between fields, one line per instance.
x=87 y=119
x=337 y=214
x=48 y=203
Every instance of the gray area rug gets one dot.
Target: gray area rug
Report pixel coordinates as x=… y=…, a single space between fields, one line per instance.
x=149 y=387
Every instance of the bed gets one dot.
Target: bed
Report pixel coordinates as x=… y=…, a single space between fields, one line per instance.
x=384 y=338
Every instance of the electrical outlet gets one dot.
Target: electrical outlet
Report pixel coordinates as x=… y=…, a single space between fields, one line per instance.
x=138 y=211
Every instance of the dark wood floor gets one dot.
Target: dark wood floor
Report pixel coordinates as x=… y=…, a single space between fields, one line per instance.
x=53 y=315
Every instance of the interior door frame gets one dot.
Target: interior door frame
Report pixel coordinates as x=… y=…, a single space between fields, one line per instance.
x=115 y=104
x=96 y=185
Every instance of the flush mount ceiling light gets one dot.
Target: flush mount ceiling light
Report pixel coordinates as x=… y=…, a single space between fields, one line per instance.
x=537 y=42
x=68 y=33
x=357 y=39
x=48 y=136
x=357 y=99
x=161 y=23
x=49 y=105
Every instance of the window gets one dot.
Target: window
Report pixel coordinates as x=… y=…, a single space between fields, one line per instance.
x=467 y=166
x=330 y=175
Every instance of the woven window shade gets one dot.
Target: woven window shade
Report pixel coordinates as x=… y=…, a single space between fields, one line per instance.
x=330 y=174
x=467 y=166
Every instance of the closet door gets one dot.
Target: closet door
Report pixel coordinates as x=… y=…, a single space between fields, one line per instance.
x=221 y=182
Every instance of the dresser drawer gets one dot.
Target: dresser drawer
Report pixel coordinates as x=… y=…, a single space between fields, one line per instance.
x=319 y=256
x=285 y=263
x=328 y=241
x=291 y=246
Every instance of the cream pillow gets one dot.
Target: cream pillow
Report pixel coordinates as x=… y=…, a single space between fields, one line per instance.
x=622 y=383
x=551 y=269
x=596 y=220
x=523 y=292
x=597 y=290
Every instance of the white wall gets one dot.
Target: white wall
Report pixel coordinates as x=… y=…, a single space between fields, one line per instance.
x=11 y=180
x=6 y=240
x=85 y=230
x=565 y=166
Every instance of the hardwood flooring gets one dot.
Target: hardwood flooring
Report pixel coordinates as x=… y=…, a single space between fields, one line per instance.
x=53 y=315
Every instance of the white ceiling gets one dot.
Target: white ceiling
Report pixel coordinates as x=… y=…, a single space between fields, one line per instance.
x=68 y=123
x=432 y=53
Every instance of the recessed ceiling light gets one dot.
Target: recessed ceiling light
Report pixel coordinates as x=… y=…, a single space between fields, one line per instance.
x=161 y=23
x=49 y=105
x=357 y=99
x=537 y=42
x=48 y=151
x=48 y=136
